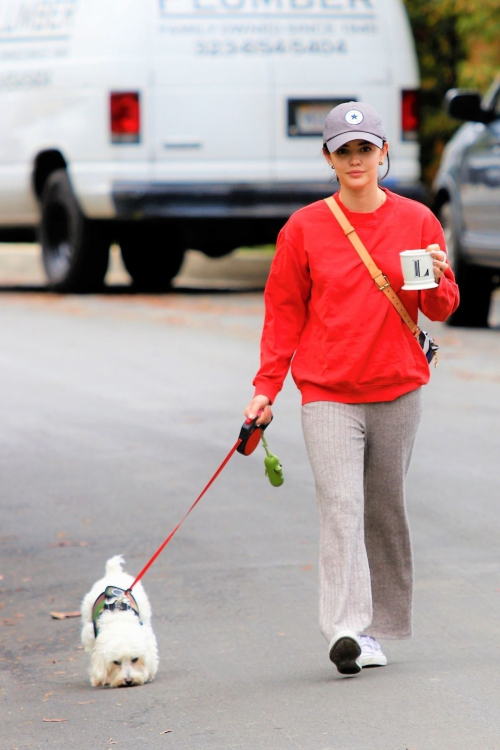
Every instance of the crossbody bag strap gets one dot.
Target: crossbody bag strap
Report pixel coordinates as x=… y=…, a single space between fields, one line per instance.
x=380 y=279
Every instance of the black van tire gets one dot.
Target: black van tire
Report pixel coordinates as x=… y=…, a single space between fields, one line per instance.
x=75 y=253
x=474 y=282
x=152 y=255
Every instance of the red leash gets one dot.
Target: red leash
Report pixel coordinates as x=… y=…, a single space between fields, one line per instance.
x=169 y=537
x=250 y=435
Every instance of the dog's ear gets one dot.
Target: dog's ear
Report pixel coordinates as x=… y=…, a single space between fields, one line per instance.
x=98 y=669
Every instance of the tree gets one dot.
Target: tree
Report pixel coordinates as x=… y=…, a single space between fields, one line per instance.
x=457 y=46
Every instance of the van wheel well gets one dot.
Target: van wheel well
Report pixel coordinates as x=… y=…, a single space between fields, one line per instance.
x=45 y=163
x=440 y=199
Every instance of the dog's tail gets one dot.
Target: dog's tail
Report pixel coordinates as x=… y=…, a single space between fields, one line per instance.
x=114 y=565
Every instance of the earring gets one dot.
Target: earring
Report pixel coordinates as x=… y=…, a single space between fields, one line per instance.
x=381 y=162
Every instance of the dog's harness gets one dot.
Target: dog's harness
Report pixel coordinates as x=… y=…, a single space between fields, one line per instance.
x=112 y=599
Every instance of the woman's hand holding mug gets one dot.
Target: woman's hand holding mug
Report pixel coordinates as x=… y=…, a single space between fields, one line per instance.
x=257 y=404
x=439 y=259
x=421 y=271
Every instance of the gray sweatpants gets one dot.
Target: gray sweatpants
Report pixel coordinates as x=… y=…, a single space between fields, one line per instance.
x=360 y=454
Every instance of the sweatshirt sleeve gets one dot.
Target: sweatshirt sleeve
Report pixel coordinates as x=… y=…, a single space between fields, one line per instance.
x=438 y=303
x=286 y=297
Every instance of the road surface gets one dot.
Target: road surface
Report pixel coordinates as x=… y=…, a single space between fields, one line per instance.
x=116 y=409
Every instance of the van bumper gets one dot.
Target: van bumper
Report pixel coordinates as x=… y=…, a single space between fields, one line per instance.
x=223 y=200
x=213 y=200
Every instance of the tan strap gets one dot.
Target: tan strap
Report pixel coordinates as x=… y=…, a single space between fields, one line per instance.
x=380 y=279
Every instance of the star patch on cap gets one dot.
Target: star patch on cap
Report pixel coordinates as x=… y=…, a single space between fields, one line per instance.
x=353 y=117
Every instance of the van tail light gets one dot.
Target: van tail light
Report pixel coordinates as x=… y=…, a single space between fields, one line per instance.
x=125 y=117
x=409 y=115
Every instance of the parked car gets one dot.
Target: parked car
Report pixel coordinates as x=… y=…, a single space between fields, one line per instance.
x=467 y=201
x=188 y=124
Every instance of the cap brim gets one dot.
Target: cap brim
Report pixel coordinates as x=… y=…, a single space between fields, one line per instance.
x=340 y=140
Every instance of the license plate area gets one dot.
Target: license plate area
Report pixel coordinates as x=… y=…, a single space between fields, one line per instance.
x=306 y=117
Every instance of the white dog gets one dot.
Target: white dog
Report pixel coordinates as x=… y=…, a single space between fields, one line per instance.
x=117 y=631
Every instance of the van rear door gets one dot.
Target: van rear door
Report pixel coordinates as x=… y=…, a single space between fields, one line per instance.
x=212 y=95
x=335 y=53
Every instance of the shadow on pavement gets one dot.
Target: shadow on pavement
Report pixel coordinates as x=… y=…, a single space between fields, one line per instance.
x=122 y=290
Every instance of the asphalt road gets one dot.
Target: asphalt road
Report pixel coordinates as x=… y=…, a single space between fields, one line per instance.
x=116 y=409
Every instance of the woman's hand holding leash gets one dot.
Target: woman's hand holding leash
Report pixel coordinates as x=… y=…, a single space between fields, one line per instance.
x=257 y=404
x=439 y=260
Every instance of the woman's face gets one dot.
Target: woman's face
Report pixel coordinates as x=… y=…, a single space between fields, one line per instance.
x=356 y=163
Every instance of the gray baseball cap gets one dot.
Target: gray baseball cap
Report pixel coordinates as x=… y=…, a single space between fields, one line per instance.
x=350 y=121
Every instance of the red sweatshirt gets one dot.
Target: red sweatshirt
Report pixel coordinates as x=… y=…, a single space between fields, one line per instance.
x=325 y=315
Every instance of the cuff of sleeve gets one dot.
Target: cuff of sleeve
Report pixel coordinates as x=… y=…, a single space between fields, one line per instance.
x=438 y=290
x=265 y=388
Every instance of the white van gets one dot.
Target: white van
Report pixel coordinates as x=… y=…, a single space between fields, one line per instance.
x=168 y=124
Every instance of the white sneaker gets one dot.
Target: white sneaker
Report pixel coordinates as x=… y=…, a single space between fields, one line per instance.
x=371 y=653
x=344 y=650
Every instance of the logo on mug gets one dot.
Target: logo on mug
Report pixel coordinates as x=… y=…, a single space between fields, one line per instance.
x=416 y=263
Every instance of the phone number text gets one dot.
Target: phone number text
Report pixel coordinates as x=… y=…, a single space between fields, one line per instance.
x=269 y=47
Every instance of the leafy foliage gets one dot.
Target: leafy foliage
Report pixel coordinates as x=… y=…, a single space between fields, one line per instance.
x=457 y=45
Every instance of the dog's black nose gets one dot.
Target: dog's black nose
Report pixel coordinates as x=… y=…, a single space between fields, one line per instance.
x=128 y=680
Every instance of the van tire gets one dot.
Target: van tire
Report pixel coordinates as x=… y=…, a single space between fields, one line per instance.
x=75 y=253
x=152 y=256
x=475 y=283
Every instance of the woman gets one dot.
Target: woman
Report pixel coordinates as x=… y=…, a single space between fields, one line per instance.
x=360 y=371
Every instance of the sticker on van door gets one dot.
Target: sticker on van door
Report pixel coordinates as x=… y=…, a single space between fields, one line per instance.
x=26 y=20
x=215 y=28
x=30 y=21
x=353 y=8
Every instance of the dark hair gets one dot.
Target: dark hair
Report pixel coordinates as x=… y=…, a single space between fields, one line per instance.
x=388 y=167
x=326 y=151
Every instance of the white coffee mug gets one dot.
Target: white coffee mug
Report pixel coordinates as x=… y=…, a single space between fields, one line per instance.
x=418 y=271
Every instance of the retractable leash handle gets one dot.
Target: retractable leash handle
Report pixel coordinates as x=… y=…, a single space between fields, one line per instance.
x=250 y=435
